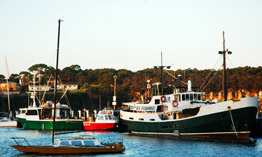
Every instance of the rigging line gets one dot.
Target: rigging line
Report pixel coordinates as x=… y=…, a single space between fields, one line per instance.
x=63 y=96
x=230 y=61
x=65 y=93
x=38 y=100
x=210 y=72
x=174 y=76
x=43 y=98
x=229 y=109
x=210 y=80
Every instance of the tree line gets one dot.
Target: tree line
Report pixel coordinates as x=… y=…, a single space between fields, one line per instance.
x=128 y=82
x=100 y=82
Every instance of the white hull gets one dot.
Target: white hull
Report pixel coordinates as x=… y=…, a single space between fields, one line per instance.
x=8 y=124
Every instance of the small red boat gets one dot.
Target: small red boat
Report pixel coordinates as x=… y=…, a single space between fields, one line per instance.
x=105 y=120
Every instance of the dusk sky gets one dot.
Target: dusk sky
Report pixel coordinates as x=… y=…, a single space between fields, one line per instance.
x=130 y=34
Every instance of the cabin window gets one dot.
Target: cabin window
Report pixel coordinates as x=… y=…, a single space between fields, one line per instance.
x=31 y=112
x=159 y=109
x=106 y=117
x=89 y=143
x=40 y=114
x=183 y=97
x=64 y=143
x=157 y=101
x=195 y=96
x=152 y=119
x=177 y=98
x=100 y=118
x=131 y=118
x=187 y=97
x=22 y=111
x=199 y=96
x=191 y=97
x=77 y=143
x=141 y=118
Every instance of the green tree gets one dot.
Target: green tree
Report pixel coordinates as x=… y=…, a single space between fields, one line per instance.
x=2 y=78
x=38 y=67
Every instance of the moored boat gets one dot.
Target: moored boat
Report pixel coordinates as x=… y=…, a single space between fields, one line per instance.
x=71 y=146
x=40 y=118
x=104 y=120
x=188 y=115
x=7 y=119
x=6 y=122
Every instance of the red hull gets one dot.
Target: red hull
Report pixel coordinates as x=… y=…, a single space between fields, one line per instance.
x=90 y=126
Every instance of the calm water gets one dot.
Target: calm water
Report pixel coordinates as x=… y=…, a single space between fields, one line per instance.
x=136 y=145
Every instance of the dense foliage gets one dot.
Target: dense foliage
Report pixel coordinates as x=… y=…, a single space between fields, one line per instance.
x=100 y=83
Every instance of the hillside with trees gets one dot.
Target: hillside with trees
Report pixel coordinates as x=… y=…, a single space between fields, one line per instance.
x=99 y=82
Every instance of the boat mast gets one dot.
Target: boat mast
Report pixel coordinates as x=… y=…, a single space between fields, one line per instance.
x=56 y=75
x=161 y=76
x=8 y=92
x=161 y=79
x=224 y=67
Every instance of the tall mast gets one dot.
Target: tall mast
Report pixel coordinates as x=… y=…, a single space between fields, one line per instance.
x=162 y=74
x=8 y=92
x=224 y=68
x=56 y=76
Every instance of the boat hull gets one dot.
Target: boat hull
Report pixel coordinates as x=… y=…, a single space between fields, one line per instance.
x=92 y=126
x=65 y=124
x=8 y=124
x=232 y=124
x=66 y=150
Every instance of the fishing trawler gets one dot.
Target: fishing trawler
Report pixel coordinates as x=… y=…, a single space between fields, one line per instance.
x=40 y=118
x=188 y=115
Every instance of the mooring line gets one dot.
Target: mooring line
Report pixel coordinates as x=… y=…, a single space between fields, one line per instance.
x=229 y=109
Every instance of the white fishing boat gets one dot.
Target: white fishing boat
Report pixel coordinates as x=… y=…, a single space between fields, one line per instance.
x=188 y=115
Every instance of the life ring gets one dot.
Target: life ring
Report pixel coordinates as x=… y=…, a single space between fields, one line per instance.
x=175 y=104
x=163 y=98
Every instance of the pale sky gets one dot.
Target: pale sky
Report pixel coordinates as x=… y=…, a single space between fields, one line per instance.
x=129 y=34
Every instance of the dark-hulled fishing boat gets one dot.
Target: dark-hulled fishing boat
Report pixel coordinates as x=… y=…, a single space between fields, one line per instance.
x=188 y=115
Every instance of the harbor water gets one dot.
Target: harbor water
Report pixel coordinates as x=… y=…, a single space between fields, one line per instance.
x=135 y=145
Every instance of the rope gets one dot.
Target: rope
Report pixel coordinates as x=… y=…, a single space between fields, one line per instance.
x=209 y=81
x=64 y=93
x=173 y=76
x=232 y=121
x=210 y=73
x=230 y=61
x=43 y=98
